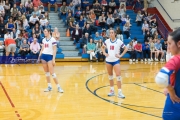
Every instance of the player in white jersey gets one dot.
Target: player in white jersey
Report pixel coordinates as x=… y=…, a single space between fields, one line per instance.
x=47 y=56
x=113 y=46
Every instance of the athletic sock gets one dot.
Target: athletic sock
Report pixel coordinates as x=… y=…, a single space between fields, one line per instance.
x=49 y=85
x=119 y=90
x=112 y=88
x=58 y=86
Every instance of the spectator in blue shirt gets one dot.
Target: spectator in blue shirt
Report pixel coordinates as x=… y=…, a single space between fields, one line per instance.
x=52 y=3
x=22 y=9
x=159 y=50
x=81 y=22
x=146 y=51
x=97 y=38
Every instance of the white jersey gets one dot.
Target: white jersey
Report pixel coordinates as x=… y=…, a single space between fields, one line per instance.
x=48 y=45
x=113 y=49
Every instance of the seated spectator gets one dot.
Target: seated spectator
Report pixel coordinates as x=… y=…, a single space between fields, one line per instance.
x=71 y=7
x=97 y=9
x=164 y=48
x=37 y=30
x=71 y=27
x=28 y=3
x=152 y=48
x=41 y=10
x=63 y=10
x=87 y=29
x=33 y=20
x=159 y=50
x=153 y=23
x=77 y=13
x=131 y=52
x=82 y=22
x=10 y=45
x=24 y=49
x=119 y=34
x=97 y=38
x=76 y=34
x=122 y=2
x=112 y=5
x=146 y=51
x=15 y=33
x=116 y=17
x=2 y=27
x=128 y=19
x=85 y=41
x=47 y=16
x=56 y=35
x=145 y=27
x=69 y=18
x=104 y=35
x=92 y=15
x=126 y=30
x=138 y=50
x=14 y=11
x=43 y=23
x=139 y=18
x=31 y=39
x=99 y=51
x=22 y=9
x=104 y=3
x=137 y=5
x=19 y=40
x=155 y=35
x=37 y=3
x=110 y=21
x=85 y=3
x=76 y=3
x=25 y=22
x=19 y=25
x=109 y=12
x=2 y=11
x=91 y=47
x=36 y=11
x=7 y=35
x=10 y=25
x=104 y=11
x=29 y=12
x=2 y=49
x=102 y=21
x=7 y=8
x=35 y=49
x=122 y=10
x=147 y=36
x=123 y=20
x=24 y=34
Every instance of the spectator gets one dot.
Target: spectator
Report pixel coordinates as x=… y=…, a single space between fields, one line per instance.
x=123 y=20
x=155 y=35
x=119 y=34
x=19 y=40
x=7 y=9
x=146 y=51
x=104 y=3
x=46 y=14
x=97 y=9
x=137 y=5
x=24 y=49
x=33 y=20
x=76 y=3
x=159 y=50
x=77 y=34
x=99 y=51
x=28 y=3
x=14 y=11
x=36 y=11
x=70 y=18
x=139 y=18
x=85 y=3
x=96 y=2
x=10 y=45
x=92 y=16
x=15 y=33
x=145 y=27
x=63 y=10
x=10 y=25
x=77 y=14
x=109 y=12
x=87 y=29
x=2 y=49
x=71 y=27
x=85 y=41
x=110 y=21
x=22 y=9
x=91 y=49
x=7 y=35
x=29 y=12
x=147 y=36
x=19 y=25
x=56 y=35
x=112 y=5
x=35 y=48
x=37 y=3
x=52 y=3
x=71 y=7
x=2 y=11
x=102 y=20
x=126 y=29
x=152 y=48
x=37 y=30
x=138 y=50
x=104 y=11
x=116 y=17
x=43 y=23
x=31 y=39
x=82 y=22
x=122 y=2
x=122 y=10
x=97 y=38
x=2 y=27
x=11 y=2
x=25 y=22
x=131 y=51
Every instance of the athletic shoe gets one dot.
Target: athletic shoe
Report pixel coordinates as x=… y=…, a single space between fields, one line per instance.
x=141 y=60
x=111 y=93
x=134 y=60
x=152 y=60
x=60 y=90
x=156 y=60
x=145 y=60
x=120 y=95
x=162 y=60
x=130 y=60
x=149 y=60
x=48 y=89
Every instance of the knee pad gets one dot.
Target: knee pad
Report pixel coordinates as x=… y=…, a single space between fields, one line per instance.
x=47 y=74
x=54 y=75
x=110 y=77
x=119 y=78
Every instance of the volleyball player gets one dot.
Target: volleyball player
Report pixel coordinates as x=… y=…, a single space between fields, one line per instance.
x=113 y=46
x=169 y=77
x=47 y=56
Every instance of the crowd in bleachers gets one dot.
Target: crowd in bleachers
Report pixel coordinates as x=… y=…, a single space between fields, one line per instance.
x=89 y=25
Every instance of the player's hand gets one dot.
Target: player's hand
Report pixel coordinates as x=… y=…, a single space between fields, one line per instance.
x=165 y=91
x=105 y=54
x=38 y=60
x=118 y=56
x=173 y=96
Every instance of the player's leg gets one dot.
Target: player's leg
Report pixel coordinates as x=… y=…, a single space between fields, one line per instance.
x=119 y=79
x=47 y=73
x=157 y=55
x=110 y=73
x=51 y=70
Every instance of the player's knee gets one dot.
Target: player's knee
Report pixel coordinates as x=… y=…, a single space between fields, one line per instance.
x=54 y=75
x=47 y=74
x=110 y=77
x=119 y=78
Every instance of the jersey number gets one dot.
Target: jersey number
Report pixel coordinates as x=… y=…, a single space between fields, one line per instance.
x=46 y=45
x=112 y=47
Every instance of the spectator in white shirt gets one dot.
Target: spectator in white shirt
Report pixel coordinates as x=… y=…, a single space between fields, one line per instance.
x=145 y=27
x=7 y=35
x=76 y=3
x=110 y=21
x=2 y=12
x=43 y=23
x=33 y=20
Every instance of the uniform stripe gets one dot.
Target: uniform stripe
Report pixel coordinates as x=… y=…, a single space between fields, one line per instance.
x=122 y=45
x=54 y=43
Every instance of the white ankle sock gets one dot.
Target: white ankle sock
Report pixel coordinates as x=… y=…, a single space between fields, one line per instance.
x=119 y=90
x=112 y=88
x=58 y=86
x=49 y=85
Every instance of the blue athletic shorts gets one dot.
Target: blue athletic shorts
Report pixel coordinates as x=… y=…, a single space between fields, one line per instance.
x=46 y=57
x=113 y=63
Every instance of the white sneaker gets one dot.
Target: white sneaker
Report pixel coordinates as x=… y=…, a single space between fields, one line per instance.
x=134 y=60
x=120 y=95
x=60 y=90
x=145 y=60
x=142 y=60
x=149 y=60
x=48 y=89
x=156 y=60
x=152 y=60
x=130 y=60
x=162 y=60
x=111 y=93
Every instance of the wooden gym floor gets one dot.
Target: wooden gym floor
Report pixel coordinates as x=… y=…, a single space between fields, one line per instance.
x=85 y=98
